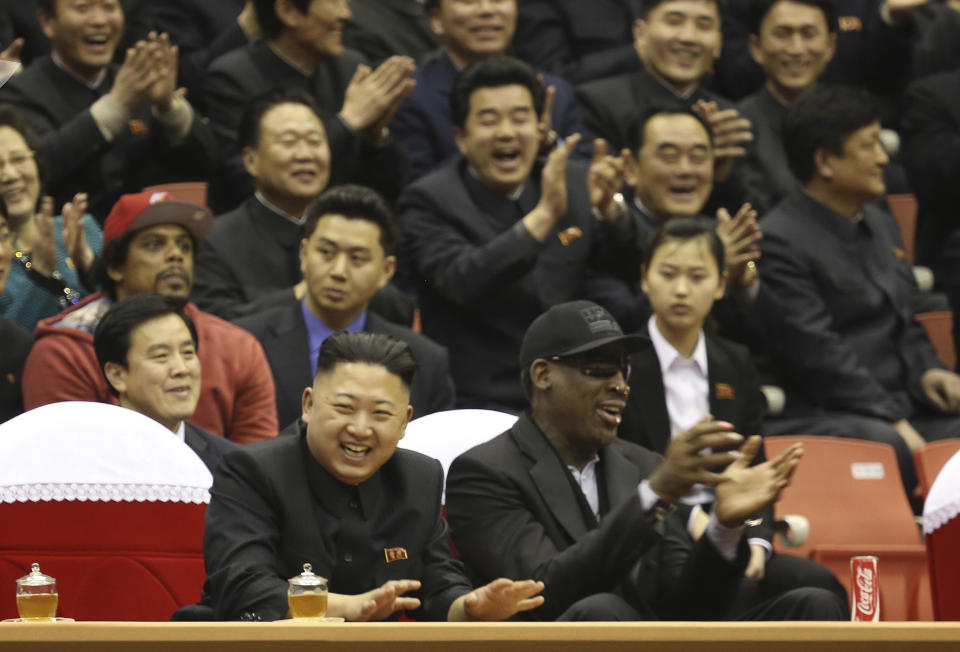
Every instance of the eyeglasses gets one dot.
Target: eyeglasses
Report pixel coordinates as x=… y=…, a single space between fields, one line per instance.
x=597 y=368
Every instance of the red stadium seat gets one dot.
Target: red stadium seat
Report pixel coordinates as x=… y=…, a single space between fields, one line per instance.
x=194 y=192
x=904 y=209
x=108 y=502
x=939 y=327
x=851 y=492
x=931 y=458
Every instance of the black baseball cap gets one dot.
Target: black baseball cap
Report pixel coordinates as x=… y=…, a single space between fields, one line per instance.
x=574 y=327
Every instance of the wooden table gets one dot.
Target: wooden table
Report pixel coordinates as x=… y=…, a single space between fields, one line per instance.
x=495 y=637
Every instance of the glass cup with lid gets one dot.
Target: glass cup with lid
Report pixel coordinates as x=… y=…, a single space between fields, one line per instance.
x=37 y=596
x=307 y=595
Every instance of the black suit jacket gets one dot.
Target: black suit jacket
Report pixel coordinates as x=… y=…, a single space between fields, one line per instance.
x=238 y=76
x=734 y=394
x=611 y=107
x=273 y=507
x=482 y=278
x=839 y=319
x=248 y=262
x=283 y=334
x=515 y=512
x=209 y=447
x=382 y=28
x=79 y=159
x=13 y=355
x=931 y=154
x=578 y=40
x=767 y=174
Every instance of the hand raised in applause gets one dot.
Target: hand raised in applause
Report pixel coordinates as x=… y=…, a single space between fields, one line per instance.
x=373 y=96
x=553 y=192
x=744 y=490
x=683 y=464
x=605 y=179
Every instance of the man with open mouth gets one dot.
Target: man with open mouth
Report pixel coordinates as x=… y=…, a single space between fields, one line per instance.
x=496 y=235
x=108 y=129
x=338 y=495
x=599 y=520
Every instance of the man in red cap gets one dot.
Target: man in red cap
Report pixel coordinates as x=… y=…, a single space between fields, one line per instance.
x=149 y=241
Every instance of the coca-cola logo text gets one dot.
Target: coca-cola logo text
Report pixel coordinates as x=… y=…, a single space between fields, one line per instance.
x=865 y=585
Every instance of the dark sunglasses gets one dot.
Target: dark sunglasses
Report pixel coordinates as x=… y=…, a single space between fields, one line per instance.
x=597 y=368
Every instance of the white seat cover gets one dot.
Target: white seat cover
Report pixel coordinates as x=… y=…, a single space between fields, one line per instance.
x=445 y=435
x=78 y=450
x=943 y=501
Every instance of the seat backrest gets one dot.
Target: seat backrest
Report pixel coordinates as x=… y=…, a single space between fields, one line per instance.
x=445 y=435
x=107 y=501
x=194 y=192
x=904 y=209
x=939 y=325
x=850 y=490
x=931 y=458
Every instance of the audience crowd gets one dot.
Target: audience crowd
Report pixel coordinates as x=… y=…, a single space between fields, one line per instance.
x=594 y=215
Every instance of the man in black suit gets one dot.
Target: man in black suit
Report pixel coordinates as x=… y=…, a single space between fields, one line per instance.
x=302 y=47
x=495 y=237
x=931 y=155
x=248 y=262
x=581 y=41
x=678 y=41
x=346 y=255
x=16 y=340
x=840 y=321
x=341 y=497
x=147 y=349
x=380 y=29
x=107 y=129
x=559 y=498
x=793 y=40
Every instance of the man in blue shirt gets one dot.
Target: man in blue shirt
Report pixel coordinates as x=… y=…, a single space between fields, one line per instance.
x=346 y=255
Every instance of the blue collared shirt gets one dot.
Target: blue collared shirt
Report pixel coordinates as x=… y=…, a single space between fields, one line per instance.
x=317 y=332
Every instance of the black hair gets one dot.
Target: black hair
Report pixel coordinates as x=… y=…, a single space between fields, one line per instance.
x=684 y=229
x=11 y=117
x=113 y=255
x=392 y=354
x=493 y=72
x=637 y=130
x=111 y=340
x=354 y=203
x=251 y=122
x=49 y=6
x=649 y=5
x=759 y=9
x=430 y=5
x=824 y=116
x=270 y=23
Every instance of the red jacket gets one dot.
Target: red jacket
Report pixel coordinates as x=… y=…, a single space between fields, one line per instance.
x=237 y=399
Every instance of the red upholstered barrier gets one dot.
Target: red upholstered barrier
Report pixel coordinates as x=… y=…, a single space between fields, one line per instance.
x=112 y=560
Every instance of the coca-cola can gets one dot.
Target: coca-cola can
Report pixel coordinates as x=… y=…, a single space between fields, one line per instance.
x=865 y=581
